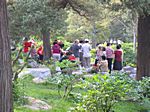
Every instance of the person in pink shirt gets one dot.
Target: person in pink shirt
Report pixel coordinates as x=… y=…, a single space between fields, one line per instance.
x=110 y=56
x=56 y=50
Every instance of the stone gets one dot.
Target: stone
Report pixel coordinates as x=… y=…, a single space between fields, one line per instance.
x=38 y=80
x=127 y=68
x=42 y=73
x=33 y=64
x=36 y=104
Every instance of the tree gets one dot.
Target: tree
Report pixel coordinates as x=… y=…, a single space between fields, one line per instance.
x=36 y=16
x=142 y=8
x=5 y=62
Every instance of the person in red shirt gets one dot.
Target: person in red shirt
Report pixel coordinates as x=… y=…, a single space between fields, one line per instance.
x=40 y=52
x=117 y=65
x=26 y=45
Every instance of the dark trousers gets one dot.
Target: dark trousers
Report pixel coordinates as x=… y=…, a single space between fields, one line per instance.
x=109 y=64
x=96 y=61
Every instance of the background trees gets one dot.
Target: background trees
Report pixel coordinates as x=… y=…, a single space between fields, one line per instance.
x=36 y=17
x=5 y=62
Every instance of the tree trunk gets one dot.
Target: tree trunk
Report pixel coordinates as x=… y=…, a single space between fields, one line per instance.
x=143 y=51
x=5 y=62
x=46 y=45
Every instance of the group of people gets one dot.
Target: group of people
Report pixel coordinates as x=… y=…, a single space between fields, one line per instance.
x=106 y=58
x=80 y=51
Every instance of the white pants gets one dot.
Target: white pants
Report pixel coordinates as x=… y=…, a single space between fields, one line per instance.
x=56 y=56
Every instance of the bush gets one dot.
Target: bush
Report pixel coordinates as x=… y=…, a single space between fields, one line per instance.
x=129 y=55
x=103 y=91
x=19 y=91
x=144 y=87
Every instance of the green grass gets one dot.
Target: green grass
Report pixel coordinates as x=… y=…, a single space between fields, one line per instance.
x=49 y=94
x=132 y=107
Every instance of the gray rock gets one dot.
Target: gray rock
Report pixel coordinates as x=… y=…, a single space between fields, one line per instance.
x=38 y=80
x=42 y=73
x=36 y=104
x=33 y=64
x=132 y=76
x=127 y=68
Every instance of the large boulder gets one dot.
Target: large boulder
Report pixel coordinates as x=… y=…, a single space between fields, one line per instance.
x=42 y=73
x=36 y=104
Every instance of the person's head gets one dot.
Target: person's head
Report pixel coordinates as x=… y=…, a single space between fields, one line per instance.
x=54 y=42
x=118 y=46
x=103 y=57
x=86 y=40
x=25 y=39
x=108 y=44
x=103 y=49
x=100 y=47
x=81 y=41
x=76 y=41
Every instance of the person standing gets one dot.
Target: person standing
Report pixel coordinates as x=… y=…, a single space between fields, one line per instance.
x=80 y=52
x=117 y=65
x=56 y=50
x=86 y=48
x=99 y=54
x=110 y=56
x=75 y=49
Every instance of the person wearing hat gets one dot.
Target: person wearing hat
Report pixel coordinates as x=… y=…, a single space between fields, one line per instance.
x=86 y=48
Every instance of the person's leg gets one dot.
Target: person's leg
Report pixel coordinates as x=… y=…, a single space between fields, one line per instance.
x=58 y=57
x=84 y=62
x=88 y=62
x=96 y=61
x=109 y=64
x=55 y=57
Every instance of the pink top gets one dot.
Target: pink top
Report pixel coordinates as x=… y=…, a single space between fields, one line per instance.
x=56 y=49
x=109 y=52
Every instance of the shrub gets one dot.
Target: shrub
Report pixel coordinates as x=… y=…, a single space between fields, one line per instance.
x=144 y=87
x=102 y=92
x=129 y=55
x=66 y=80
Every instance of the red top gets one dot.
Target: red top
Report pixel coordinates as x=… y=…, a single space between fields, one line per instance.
x=118 y=55
x=72 y=58
x=40 y=51
x=56 y=49
x=26 y=46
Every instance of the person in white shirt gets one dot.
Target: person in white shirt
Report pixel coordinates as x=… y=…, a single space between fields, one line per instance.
x=86 y=48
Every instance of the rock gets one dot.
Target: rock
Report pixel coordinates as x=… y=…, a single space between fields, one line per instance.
x=133 y=71
x=42 y=73
x=36 y=104
x=33 y=64
x=127 y=68
x=38 y=80
x=133 y=76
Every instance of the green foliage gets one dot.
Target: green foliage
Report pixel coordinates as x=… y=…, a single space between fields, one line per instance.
x=45 y=92
x=31 y=17
x=103 y=92
x=66 y=80
x=129 y=57
x=19 y=91
x=144 y=87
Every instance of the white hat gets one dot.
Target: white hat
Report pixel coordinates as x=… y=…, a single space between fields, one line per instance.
x=86 y=40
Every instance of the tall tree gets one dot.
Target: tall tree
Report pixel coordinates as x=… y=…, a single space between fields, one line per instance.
x=5 y=62
x=142 y=8
x=36 y=16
